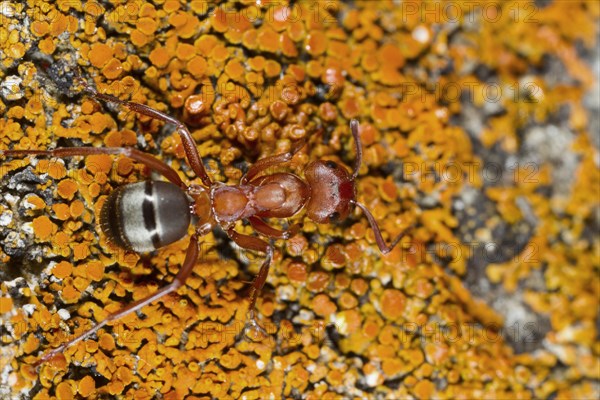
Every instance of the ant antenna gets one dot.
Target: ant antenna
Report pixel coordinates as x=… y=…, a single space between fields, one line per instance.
x=358 y=160
x=384 y=248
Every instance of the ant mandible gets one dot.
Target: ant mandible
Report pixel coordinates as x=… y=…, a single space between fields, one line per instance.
x=144 y=216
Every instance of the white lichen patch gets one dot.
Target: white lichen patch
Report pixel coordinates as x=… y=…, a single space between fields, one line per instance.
x=64 y=314
x=10 y=88
x=6 y=218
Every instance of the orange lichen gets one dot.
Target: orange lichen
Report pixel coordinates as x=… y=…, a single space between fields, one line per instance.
x=61 y=240
x=267 y=39
x=139 y=39
x=272 y=68
x=316 y=43
x=197 y=66
x=234 y=69
x=347 y=301
x=100 y=54
x=6 y=305
x=36 y=201
x=147 y=25
x=43 y=227
x=61 y=211
x=66 y=188
x=334 y=257
x=297 y=272
x=86 y=386
x=159 y=57
x=99 y=163
x=76 y=208
x=62 y=270
x=64 y=391
x=70 y=294
x=81 y=251
x=393 y=303
x=386 y=64
x=322 y=305
x=317 y=281
x=54 y=168
x=95 y=270
x=47 y=46
x=113 y=69
x=94 y=189
x=424 y=389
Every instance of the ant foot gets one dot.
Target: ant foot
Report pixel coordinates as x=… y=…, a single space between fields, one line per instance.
x=253 y=330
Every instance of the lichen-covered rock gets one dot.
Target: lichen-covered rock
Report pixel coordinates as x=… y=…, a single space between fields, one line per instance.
x=477 y=145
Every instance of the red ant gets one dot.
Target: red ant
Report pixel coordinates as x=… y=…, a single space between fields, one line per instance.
x=145 y=216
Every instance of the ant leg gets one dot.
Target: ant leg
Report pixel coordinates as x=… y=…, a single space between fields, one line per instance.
x=254 y=243
x=137 y=155
x=265 y=229
x=271 y=161
x=185 y=271
x=189 y=145
x=384 y=248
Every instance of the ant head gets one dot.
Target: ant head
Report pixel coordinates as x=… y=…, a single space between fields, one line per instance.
x=332 y=188
x=332 y=191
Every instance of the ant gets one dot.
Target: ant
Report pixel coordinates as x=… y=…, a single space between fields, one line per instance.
x=144 y=216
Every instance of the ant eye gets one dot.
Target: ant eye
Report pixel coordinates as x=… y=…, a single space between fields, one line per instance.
x=330 y=164
x=334 y=216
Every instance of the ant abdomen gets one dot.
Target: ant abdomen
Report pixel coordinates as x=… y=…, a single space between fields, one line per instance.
x=145 y=216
